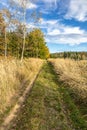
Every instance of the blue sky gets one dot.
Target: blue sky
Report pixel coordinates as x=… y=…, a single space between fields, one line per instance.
x=64 y=22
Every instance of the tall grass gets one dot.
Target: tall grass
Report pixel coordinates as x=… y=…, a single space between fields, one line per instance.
x=74 y=75
x=14 y=75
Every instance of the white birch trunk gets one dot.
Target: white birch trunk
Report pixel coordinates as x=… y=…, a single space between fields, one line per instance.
x=24 y=31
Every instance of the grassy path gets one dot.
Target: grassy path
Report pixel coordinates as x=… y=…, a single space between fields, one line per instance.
x=44 y=108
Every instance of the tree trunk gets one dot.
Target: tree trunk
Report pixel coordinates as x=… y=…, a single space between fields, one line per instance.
x=23 y=48
x=5 y=44
x=24 y=31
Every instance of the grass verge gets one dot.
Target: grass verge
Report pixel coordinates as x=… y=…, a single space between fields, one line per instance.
x=74 y=113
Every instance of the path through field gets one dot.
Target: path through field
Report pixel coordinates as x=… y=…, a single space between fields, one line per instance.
x=44 y=108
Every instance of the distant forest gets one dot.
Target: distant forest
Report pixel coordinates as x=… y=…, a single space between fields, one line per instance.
x=71 y=55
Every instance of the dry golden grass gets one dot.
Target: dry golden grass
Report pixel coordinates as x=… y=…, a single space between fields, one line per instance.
x=14 y=74
x=74 y=74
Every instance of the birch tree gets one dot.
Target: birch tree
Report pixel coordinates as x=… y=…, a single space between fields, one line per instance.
x=24 y=3
x=22 y=6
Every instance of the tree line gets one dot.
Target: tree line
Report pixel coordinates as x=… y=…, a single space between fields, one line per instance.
x=15 y=39
x=71 y=55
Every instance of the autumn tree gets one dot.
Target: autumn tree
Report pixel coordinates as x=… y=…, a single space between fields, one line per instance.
x=36 y=45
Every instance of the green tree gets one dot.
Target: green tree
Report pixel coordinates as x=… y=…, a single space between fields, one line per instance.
x=2 y=30
x=13 y=44
x=65 y=55
x=36 y=46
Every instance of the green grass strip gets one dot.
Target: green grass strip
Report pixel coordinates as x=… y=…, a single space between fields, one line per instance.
x=78 y=122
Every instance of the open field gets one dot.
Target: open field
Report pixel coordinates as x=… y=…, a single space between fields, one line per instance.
x=49 y=105
x=73 y=74
x=45 y=106
x=14 y=77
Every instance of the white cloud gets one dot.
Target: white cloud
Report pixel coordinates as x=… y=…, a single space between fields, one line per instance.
x=49 y=22
x=67 y=39
x=77 y=10
x=54 y=32
x=31 y=6
x=65 y=30
x=46 y=24
x=73 y=30
x=62 y=34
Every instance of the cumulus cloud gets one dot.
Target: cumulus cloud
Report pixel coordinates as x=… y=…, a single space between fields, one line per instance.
x=61 y=34
x=77 y=10
x=67 y=39
x=65 y=30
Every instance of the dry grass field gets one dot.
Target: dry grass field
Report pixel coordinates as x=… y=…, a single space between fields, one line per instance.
x=14 y=77
x=74 y=75
x=50 y=104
